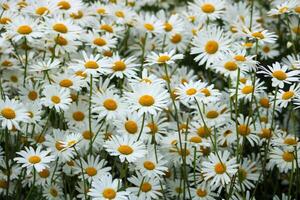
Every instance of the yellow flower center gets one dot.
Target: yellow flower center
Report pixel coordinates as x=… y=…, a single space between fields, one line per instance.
x=280 y=75
x=91 y=65
x=78 y=116
x=109 y=193
x=297 y=9
x=32 y=95
x=220 y=168
x=41 y=10
x=176 y=38
x=242 y=174
x=287 y=95
x=196 y=139
x=153 y=127
x=168 y=27
x=149 y=165
x=44 y=173
x=107 y=28
x=247 y=89
x=99 y=42
x=163 y=58
x=91 y=171
x=146 y=187
x=120 y=14
x=110 y=104
x=87 y=135
x=61 y=41
x=211 y=47
x=131 y=126
x=24 y=29
x=230 y=66
x=191 y=91
x=149 y=27
x=7 y=63
x=5 y=20
x=240 y=58
x=59 y=146
x=212 y=114
x=14 y=78
x=208 y=8
x=243 y=130
x=3 y=184
x=266 y=133
x=264 y=102
x=101 y=11
x=34 y=159
x=125 y=149
x=266 y=49
x=55 y=99
x=258 y=35
x=201 y=193
x=66 y=83
x=53 y=192
x=290 y=141
x=77 y=15
x=64 y=5
x=61 y=28
x=206 y=92
x=203 y=131
x=146 y=100
x=8 y=113
x=288 y=156
x=119 y=66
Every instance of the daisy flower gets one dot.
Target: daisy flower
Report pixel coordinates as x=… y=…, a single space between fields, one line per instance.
x=209 y=9
x=210 y=44
x=248 y=174
x=261 y=35
x=130 y=123
x=107 y=188
x=219 y=171
x=148 y=165
x=93 y=168
x=52 y=191
x=150 y=24
x=12 y=113
x=53 y=141
x=70 y=141
x=246 y=89
x=283 y=159
x=77 y=115
x=286 y=96
x=167 y=58
x=107 y=105
x=56 y=97
x=269 y=51
x=102 y=43
x=147 y=98
x=121 y=67
x=90 y=65
x=69 y=80
x=247 y=132
x=187 y=92
x=146 y=188
x=203 y=191
x=37 y=159
x=125 y=148
x=280 y=74
x=23 y=27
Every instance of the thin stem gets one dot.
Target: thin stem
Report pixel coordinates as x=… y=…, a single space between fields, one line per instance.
x=31 y=189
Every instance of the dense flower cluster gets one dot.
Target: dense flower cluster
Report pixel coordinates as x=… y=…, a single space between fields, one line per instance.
x=149 y=99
